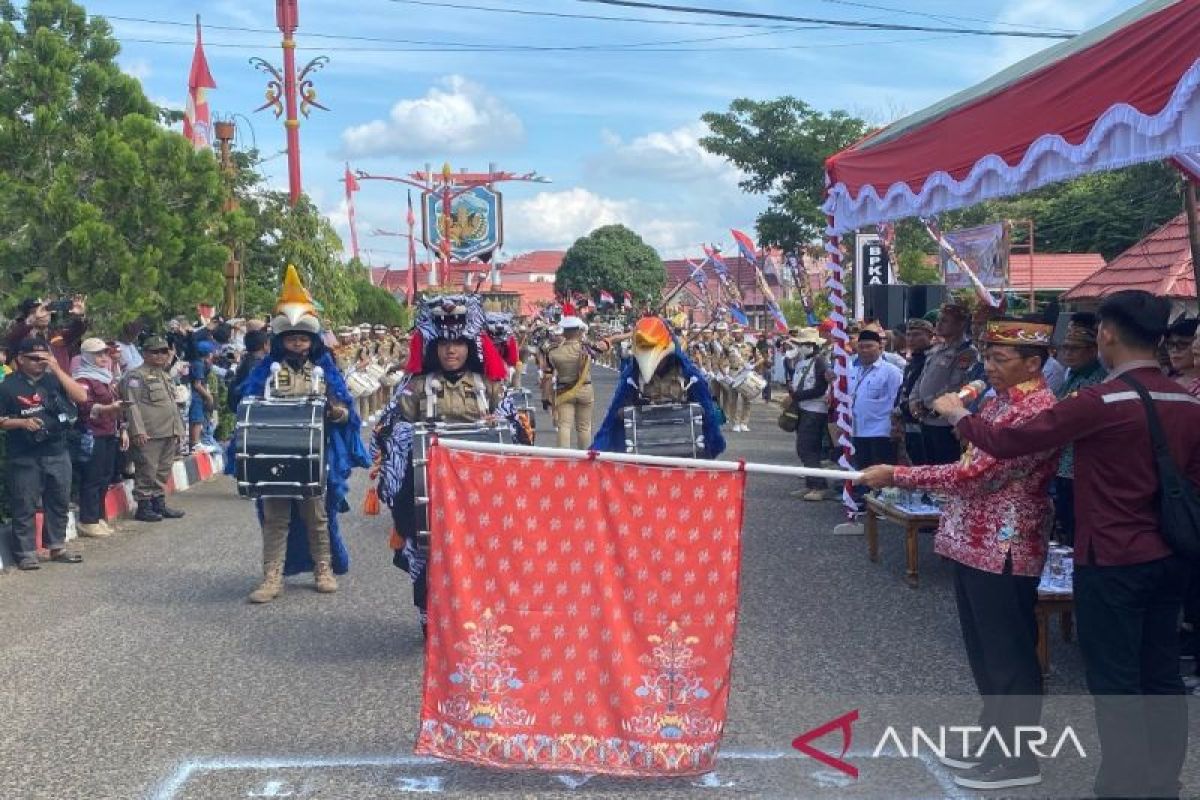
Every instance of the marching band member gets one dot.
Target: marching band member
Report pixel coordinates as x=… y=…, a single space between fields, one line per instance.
x=574 y=397
x=500 y=329
x=456 y=376
x=302 y=535
x=659 y=372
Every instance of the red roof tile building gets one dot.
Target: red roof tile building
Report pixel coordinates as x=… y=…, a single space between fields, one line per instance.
x=531 y=275
x=1160 y=264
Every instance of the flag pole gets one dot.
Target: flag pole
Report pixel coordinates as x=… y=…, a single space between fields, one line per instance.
x=650 y=461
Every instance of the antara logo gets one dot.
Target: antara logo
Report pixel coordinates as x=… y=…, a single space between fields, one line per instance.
x=971 y=739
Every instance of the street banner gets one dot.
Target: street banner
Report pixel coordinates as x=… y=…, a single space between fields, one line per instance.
x=984 y=249
x=872 y=267
x=582 y=613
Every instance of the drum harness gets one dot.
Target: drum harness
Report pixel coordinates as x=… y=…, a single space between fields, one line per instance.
x=431 y=399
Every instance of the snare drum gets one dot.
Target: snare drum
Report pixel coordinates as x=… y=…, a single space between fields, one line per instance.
x=423 y=437
x=280 y=446
x=667 y=429
x=748 y=384
x=359 y=383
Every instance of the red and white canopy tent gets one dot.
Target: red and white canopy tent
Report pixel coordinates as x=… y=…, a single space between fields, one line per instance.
x=1124 y=93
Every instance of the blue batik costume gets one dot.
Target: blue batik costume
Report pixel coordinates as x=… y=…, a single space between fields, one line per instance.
x=659 y=371
x=344 y=448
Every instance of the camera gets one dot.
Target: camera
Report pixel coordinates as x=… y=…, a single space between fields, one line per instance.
x=59 y=310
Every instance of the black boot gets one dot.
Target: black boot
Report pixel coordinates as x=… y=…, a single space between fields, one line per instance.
x=147 y=513
x=160 y=505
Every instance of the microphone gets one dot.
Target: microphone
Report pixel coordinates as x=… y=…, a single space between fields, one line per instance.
x=971 y=392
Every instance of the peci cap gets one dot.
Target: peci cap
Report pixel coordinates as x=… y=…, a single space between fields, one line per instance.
x=32 y=344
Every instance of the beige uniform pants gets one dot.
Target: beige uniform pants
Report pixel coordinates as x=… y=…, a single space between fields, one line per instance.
x=152 y=466
x=277 y=513
x=576 y=415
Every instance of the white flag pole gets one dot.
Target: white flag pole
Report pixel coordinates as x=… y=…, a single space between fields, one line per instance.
x=648 y=461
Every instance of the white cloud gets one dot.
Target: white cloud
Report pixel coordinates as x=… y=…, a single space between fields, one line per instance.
x=674 y=155
x=138 y=68
x=554 y=220
x=455 y=116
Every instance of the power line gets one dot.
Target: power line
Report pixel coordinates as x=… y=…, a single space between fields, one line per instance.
x=567 y=15
x=541 y=49
x=938 y=17
x=833 y=23
x=433 y=43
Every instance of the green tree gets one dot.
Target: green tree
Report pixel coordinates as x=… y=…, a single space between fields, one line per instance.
x=376 y=305
x=297 y=235
x=781 y=145
x=95 y=196
x=615 y=259
x=1106 y=212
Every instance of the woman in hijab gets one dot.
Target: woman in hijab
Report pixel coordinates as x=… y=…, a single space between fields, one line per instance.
x=100 y=420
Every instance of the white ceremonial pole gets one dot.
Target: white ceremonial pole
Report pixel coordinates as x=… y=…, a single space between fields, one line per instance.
x=648 y=461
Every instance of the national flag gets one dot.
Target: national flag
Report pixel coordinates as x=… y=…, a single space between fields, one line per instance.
x=746 y=246
x=197 y=118
x=628 y=300
x=520 y=657
x=606 y=298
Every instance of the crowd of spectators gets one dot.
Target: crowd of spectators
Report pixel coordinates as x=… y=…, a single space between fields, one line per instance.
x=83 y=410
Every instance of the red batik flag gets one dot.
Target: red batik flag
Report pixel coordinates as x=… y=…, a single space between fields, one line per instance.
x=582 y=613
x=197 y=118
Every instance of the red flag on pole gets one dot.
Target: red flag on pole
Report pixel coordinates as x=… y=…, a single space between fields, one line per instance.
x=197 y=120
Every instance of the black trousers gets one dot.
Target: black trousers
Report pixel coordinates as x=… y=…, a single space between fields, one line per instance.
x=97 y=474
x=941 y=445
x=1064 y=511
x=914 y=445
x=999 y=629
x=868 y=452
x=33 y=482
x=1127 y=618
x=811 y=428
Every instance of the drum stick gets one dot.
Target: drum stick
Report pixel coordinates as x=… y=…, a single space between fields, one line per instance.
x=653 y=461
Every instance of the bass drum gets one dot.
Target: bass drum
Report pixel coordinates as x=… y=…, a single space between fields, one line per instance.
x=280 y=447
x=668 y=429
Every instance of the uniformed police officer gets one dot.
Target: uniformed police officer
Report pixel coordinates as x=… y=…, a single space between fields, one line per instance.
x=947 y=368
x=155 y=429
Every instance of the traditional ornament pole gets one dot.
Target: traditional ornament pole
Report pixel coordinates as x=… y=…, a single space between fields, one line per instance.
x=290 y=91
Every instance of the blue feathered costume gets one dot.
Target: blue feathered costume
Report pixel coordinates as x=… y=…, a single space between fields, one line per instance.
x=344 y=451
x=296 y=314
x=610 y=437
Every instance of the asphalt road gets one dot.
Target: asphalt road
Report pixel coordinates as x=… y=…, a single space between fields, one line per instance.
x=143 y=673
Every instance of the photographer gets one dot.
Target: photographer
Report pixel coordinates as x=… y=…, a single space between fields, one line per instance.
x=61 y=323
x=36 y=410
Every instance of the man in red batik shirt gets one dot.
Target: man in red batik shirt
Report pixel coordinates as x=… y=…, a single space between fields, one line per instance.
x=994 y=527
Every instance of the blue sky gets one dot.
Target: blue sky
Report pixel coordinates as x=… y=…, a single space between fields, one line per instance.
x=615 y=130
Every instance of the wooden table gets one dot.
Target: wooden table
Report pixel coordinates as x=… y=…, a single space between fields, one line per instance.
x=912 y=524
x=1047 y=606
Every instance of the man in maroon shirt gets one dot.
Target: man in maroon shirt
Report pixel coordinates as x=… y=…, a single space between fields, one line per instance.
x=1128 y=584
x=35 y=317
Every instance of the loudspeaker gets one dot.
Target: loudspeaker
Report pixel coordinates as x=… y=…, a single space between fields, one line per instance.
x=924 y=298
x=886 y=303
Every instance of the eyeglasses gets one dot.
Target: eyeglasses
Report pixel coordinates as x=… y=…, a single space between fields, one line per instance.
x=1179 y=344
